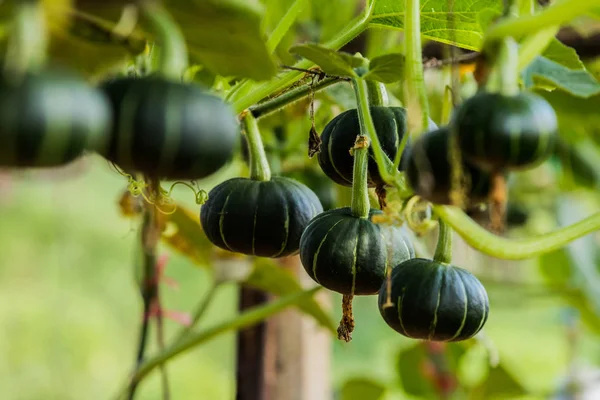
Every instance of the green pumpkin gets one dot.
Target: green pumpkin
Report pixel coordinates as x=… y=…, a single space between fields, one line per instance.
x=497 y=132
x=49 y=119
x=169 y=130
x=260 y=218
x=434 y=301
x=429 y=170
x=351 y=255
x=340 y=133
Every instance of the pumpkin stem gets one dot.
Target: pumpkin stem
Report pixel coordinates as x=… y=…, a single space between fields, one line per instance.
x=508 y=67
x=443 y=250
x=173 y=59
x=259 y=164
x=377 y=94
x=28 y=41
x=415 y=95
x=360 y=193
x=346 y=326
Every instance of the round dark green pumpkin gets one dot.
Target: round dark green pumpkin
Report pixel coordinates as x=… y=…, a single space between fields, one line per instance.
x=260 y=218
x=49 y=119
x=351 y=255
x=434 y=301
x=169 y=130
x=429 y=170
x=497 y=132
x=340 y=133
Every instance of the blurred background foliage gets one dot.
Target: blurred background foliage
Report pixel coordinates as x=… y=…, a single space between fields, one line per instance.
x=69 y=306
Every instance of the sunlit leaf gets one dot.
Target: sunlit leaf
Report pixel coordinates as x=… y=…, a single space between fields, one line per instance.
x=500 y=382
x=452 y=22
x=362 y=389
x=548 y=74
x=386 y=68
x=270 y=277
x=330 y=61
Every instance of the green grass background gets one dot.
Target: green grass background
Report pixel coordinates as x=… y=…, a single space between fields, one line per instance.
x=69 y=307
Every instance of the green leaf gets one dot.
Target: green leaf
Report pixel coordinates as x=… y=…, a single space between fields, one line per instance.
x=411 y=363
x=560 y=67
x=458 y=25
x=270 y=277
x=387 y=68
x=362 y=389
x=331 y=62
x=577 y=117
x=500 y=382
x=225 y=36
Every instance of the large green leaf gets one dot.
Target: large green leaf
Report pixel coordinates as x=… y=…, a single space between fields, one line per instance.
x=270 y=277
x=453 y=22
x=362 y=389
x=387 y=68
x=547 y=74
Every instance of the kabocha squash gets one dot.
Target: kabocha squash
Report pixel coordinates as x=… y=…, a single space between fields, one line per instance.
x=498 y=132
x=435 y=301
x=429 y=171
x=49 y=118
x=261 y=218
x=169 y=130
x=340 y=133
x=350 y=255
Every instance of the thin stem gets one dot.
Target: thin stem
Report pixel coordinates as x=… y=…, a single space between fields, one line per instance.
x=248 y=318
x=284 y=25
x=199 y=312
x=350 y=31
x=508 y=64
x=443 y=249
x=367 y=128
x=277 y=103
x=557 y=14
x=259 y=164
x=514 y=249
x=415 y=96
x=360 y=205
x=160 y=341
x=377 y=93
x=173 y=51
x=28 y=40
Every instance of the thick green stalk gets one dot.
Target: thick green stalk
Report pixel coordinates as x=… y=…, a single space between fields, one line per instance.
x=360 y=191
x=284 y=25
x=377 y=93
x=508 y=67
x=244 y=320
x=173 y=51
x=415 y=96
x=556 y=14
x=28 y=39
x=514 y=249
x=259 y=164
x=367 y=128
x=353 y=29
x=277 y=103
x=443 y=249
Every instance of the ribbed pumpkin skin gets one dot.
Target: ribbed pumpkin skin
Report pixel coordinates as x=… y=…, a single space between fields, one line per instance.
x=340 y=133
x=350 y=255
x=497 y=132
x=429 y=173
x=49 y=119
x=169 y=130
x=259 y=218
x=434 y=301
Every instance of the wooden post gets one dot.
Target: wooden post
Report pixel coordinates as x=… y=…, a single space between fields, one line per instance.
x=287 y=357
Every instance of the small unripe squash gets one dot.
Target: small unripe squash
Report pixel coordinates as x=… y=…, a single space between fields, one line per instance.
x=260 y=218
x=169 y=130
x=434 y=301
x=497 y=132
x=50 y=118
x=350 y=255
x=429 y=171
